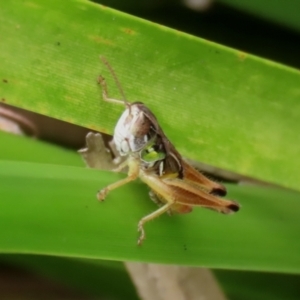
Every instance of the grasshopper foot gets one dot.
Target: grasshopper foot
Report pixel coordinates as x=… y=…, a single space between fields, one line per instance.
x=101 y=195
x=142 y=235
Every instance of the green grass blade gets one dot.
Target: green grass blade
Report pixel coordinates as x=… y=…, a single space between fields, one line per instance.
x=95 y=277
x=218 y=105
x=22 y=148
x=258 y=286
x=284 y=12
x=100 y=278
x=51 y=209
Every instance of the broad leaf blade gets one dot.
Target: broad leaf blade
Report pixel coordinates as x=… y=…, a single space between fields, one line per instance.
x=259 y=285
x=22 y=148
x=218 y=105
x=281 y=11
x=68 y=221
x=98 y=278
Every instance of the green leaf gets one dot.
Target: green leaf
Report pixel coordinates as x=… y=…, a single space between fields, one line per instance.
x=67 y=220
x=52 y=209
x=218 y=105
x=281 y=11
x=258 y=286
x=22 y=148
x=94 y=277
x=99 y=278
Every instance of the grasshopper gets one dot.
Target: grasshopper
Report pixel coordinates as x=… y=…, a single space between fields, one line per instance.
x=175 y=185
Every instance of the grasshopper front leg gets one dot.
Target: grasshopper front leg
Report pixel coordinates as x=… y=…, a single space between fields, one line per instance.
x=102 y=82
x=133 y=173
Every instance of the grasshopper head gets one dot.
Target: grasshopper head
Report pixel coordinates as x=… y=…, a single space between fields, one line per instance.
x=134 y=129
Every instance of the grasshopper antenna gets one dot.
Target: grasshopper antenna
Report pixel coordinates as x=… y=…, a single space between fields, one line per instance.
x=111 y=70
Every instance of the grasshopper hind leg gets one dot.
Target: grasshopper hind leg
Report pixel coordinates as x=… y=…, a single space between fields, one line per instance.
x=176 y=207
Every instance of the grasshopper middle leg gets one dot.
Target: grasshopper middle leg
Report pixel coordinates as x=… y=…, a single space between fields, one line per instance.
x=150 y=217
